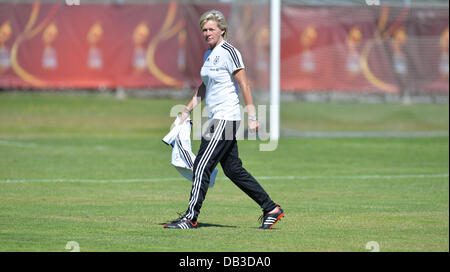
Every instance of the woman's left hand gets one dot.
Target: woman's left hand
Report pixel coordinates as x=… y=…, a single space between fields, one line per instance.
x=253 y=126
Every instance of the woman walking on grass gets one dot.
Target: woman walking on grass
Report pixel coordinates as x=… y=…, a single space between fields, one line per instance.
x=223 y=75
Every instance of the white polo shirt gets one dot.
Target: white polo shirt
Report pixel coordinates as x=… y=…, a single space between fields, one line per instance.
x=219 y=64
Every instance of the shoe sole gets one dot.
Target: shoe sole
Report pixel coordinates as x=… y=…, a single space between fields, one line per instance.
x=166 y=226
x=178 y=228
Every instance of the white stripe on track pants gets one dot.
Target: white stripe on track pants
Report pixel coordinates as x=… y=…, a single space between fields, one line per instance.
x=219 y=145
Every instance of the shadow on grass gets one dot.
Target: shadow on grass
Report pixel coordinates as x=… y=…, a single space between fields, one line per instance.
x=207 y=225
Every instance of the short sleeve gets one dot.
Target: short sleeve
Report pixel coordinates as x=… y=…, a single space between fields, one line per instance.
x=234 y=59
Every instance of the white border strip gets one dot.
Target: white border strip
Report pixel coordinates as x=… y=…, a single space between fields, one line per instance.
x=361 y=177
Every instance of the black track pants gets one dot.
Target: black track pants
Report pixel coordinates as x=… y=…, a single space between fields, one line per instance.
x=219 y=145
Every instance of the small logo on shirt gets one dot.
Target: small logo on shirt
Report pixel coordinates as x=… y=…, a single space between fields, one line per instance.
x=217 y=69
x=216 y=60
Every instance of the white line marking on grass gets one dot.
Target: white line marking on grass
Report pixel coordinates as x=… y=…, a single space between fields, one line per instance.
x=362 y=177
x=358 y=176
x=34 y=145
x=17 y=144
x=290 y=133
x=88 y=180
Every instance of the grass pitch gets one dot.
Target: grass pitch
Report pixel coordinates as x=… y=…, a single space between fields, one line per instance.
x=93 y=169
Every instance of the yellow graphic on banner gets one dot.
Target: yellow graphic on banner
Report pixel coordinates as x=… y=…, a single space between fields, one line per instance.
x=28 y=33
x=380 y=36
x=140 y=35
x=5 y=34
x=262 y=46
x=182 y=42
x=49 y=56
x=354 y=38
x=443 y=64
x=307 y=38
x=50 y=33
x=398 y=42
x=246 y=29
x=94 y=36
x=167 y=31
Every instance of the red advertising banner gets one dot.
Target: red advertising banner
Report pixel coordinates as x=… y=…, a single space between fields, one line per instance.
x=159 y=45
x=365 y=49
x=101 y=45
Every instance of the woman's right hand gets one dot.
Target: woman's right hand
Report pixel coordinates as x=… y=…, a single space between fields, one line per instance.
x=184 y=115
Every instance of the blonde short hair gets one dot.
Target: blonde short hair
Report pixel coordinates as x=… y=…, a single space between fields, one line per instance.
x=217 y=16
